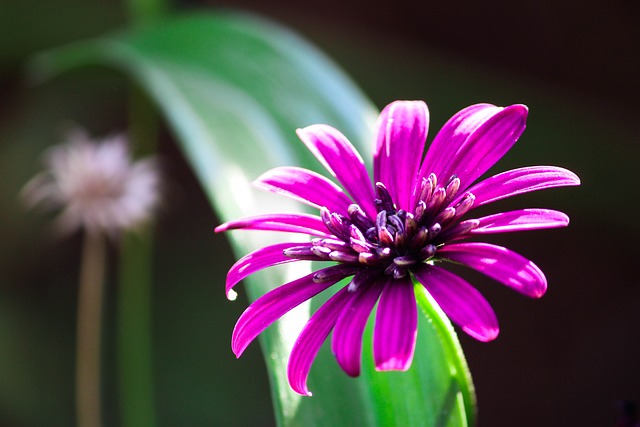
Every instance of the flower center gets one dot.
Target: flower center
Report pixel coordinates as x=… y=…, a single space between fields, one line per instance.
x=396 y=240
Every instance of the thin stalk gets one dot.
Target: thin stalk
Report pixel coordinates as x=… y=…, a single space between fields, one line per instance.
x=88 y=356
x=134 y=341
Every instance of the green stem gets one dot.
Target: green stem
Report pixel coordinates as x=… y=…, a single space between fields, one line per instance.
x=88 y=360
x=134 y=332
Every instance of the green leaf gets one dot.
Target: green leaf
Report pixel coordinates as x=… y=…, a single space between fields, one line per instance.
x=233 y=89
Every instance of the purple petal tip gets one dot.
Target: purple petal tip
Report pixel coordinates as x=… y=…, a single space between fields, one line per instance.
x=485 y=335
x=394 y=364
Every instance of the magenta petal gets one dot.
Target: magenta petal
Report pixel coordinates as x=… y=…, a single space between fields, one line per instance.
x=305 y=186
x=257 y=260
x=460 y=301
x=347 y=334
x=394 y=337
x=486 y=145
x=520 y=181
x=293 y=223
x=453 y=134
x=311 y=338
x=273 y=305
x=401 y=134
x=340 y=158
x=520 y=220
x=500 y=264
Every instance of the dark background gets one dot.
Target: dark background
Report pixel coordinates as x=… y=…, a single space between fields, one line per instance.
x=567 y=359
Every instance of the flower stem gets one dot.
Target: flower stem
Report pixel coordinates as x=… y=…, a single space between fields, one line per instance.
x=88 y=356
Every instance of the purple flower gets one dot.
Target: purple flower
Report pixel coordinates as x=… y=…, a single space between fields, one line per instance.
x=405 y=228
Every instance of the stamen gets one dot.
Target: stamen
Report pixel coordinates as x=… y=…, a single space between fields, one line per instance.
x=341 y=224
x=419 y=239
x=452 y=188
x=426 y=188
x=397 y=223
x=386 y=202
x=436 y=200
x=421 y=209
x=361 y=278
x=383 y=252
x=326 y=219
x=370 y=259
x=434 y=230
x=395 y=270
x=300 y=252
x=343 y=257
x=335 y=272
x=410 y=225
x=321 y=251
x=404 y=261
x=427 y=252
x=371 y=234
x=359 y=218
x=445 y=216
x=384 y=235
x=333 y=244
x=356 y=233
x=465 y=204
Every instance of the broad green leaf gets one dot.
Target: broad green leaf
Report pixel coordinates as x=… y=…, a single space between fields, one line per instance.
x=233 y=89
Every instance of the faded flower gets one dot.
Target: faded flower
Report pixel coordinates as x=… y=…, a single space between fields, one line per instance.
x=96 y=185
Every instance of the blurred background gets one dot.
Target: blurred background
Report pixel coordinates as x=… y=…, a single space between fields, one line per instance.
x=570 y=358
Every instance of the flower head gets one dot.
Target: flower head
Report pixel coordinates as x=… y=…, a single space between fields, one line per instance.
x=96 y=185
x=405 y=226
